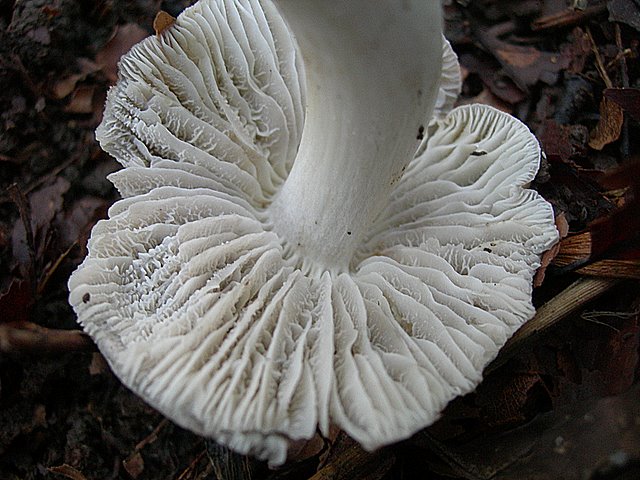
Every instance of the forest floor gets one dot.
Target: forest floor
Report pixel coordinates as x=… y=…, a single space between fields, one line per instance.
x=561 y=401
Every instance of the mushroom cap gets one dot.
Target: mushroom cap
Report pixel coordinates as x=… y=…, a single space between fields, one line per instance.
x=194 y=300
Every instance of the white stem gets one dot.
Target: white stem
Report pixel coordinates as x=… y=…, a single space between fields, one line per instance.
x=373 y=71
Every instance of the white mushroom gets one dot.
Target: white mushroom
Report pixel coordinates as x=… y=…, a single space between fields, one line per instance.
x=259 y=281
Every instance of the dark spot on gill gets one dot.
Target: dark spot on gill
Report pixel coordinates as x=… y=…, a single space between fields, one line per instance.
x=478 y=153
x=86 y=297
x=420 y=135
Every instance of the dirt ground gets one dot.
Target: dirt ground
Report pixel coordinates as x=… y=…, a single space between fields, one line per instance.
x=561 y=401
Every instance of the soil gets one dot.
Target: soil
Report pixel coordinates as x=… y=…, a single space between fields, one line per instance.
x=561 y=403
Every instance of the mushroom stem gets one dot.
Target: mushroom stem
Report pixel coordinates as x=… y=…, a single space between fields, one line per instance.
x=372 y=79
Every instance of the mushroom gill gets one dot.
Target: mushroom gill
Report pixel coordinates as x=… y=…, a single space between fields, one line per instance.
x=267 y=275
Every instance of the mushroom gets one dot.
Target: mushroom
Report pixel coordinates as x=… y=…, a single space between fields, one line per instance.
x=299 y=250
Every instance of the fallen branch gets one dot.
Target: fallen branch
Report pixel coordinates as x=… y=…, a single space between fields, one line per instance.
x=569 y=300
x=26 y=337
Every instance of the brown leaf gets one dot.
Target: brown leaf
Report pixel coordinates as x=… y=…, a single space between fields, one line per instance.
x=81 y=100
x=516 y=56
x=98 y=365
x=80 y=218
x=562 y=142
x=66 y=85
x=134 y=465
x=302 y=449
x=40 y=415
x=44 y=205
x=125 y=37
x=609 y=126
x=547 y=257
x=67 y=471
x=487 y=97
x=162 y=22
x=578 y=51
x=525 y=65
x=622 y=225
x=500 y=85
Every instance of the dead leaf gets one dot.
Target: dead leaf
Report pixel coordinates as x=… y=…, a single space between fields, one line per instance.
x=525 y=65
x=500 y=85
x=81 y=100
x=44 y=204
x=67 y=471
x=125 y=37
x=40 y=415
x=516 y=56
x=66 y=85
x=577 y=51
x=619 y=231
x=563 y=142
x=302 y=449
x=47 y=202
x=547 y=257
x=80 y=217
x=98 y=365
x=609 y=126
x=162 y=22
x=134 y=465
x=487 y=97
x=562 y=225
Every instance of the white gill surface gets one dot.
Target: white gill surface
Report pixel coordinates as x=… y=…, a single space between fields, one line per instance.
x=198 y=308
